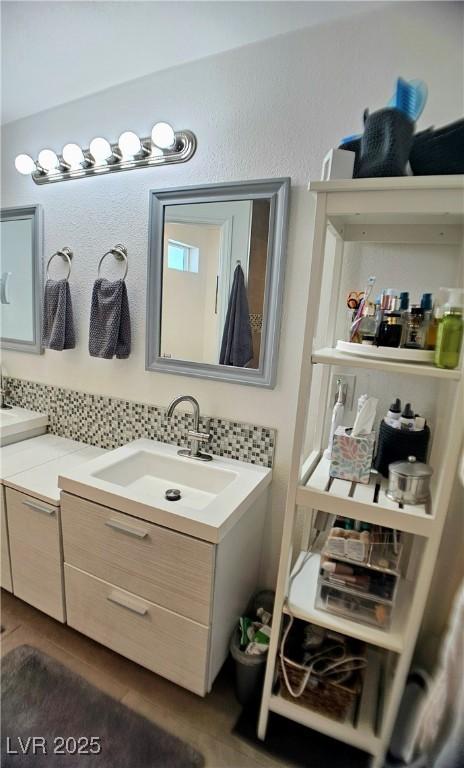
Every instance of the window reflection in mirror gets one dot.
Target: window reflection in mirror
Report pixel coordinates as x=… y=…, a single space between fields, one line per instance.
x=204 y=319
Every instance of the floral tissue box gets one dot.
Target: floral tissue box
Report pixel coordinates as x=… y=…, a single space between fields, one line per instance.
x=352 y=456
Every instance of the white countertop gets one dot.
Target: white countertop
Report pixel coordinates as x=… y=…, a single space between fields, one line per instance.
x=33 y=465
x=207 y=516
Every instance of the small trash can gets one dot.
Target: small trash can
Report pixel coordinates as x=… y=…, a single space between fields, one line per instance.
x=249 y=670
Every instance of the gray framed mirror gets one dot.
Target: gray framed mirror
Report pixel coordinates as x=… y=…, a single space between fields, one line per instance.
x=21 y=253
x=216 y=264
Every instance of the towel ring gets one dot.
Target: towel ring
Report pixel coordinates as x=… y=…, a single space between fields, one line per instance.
x=120 y=253
x=65 y=253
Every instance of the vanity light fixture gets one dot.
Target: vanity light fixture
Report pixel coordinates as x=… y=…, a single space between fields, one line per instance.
x=162 y=147
x=48 y=160
x=24 y=164
x=73 y=155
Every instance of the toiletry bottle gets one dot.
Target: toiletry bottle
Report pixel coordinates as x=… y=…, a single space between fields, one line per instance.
x=407 y=418
x=450 y=331
x=414 y=335
x=393 y=414
x=390 y=330
x=403 y=310
x=404 y=301
x=368 y=325
x=432 y=327
x=427 y=308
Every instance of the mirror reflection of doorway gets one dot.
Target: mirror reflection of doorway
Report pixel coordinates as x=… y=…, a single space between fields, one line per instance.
x=202 y=245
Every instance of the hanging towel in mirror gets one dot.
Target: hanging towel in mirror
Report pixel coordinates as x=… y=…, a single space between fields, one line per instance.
x=110 y=329
x=237 y=345
x=57 y=321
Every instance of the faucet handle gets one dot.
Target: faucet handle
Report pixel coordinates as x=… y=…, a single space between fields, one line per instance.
x=201 y=437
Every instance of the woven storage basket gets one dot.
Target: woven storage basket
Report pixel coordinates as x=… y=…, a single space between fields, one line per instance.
x=326 y=698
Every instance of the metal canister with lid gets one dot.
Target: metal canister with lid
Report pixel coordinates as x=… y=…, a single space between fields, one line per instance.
x=409 y=481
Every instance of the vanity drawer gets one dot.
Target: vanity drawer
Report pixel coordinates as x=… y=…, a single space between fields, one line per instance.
x=152 y=636
x=35 y=551
x=5 y=549
x=165 y=567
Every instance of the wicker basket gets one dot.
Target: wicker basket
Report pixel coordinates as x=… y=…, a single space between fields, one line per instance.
x=330 y=699
x=321 y=693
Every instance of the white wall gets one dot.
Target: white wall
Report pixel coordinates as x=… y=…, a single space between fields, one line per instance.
x=266 y=110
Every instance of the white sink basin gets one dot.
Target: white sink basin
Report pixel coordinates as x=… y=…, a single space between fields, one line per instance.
x=20 y=424
x=152 y=473
x=134 y=479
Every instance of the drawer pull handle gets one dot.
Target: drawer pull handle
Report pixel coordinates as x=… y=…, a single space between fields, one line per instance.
x=38 y=508
x=139 y=533
x=126 y=602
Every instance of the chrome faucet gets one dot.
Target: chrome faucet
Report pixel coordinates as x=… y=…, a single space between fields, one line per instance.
x=3 y=392
x=197 y=438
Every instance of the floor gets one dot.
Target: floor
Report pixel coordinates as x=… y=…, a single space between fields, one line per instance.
x=205 y=723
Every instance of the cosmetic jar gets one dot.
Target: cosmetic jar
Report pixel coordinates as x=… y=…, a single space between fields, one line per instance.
x=409 y=481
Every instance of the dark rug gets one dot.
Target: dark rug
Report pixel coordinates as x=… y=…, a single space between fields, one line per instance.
x=43 y=699
x=291 y=742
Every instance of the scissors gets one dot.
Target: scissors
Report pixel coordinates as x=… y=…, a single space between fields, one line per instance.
x=353 y=299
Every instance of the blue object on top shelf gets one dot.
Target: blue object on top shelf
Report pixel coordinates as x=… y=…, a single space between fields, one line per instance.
x=410 y=97
x=348 y=139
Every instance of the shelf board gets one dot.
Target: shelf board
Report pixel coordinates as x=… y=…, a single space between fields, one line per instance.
x=393 y=183
x=362 y=502
x=362 y=735
x=301 y=603
x=332 y=356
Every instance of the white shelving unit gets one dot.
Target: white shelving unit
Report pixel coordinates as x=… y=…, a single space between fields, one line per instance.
x=402 y=211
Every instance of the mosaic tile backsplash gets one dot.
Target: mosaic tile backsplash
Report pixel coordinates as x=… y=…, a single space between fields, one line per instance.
x=109 y=422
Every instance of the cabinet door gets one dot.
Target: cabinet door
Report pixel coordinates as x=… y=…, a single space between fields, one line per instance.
x=163 y=566
x=163 y=641
x=5 y=547
x=35 y=550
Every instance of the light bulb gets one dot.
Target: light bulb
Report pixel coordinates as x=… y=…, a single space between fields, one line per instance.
x=73 y=155
x=162 y=134
x=48 y=160
x=129 y=144
x=100 y=149
x=25 y=164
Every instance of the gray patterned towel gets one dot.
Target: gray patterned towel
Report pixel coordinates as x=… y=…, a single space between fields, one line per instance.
x=237 y=343
x=57 y=322
x=110 y=329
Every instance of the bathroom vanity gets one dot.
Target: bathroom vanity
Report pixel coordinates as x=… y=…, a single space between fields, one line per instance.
x=160 y=582
x=31 y=554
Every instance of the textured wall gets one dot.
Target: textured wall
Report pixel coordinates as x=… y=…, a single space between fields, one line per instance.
x=271 y=109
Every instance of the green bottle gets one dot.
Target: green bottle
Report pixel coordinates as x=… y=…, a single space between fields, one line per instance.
x=450 y=332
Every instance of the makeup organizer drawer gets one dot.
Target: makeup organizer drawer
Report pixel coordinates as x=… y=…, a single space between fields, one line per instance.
x=152 y=636
x=35 y=551
x=359 y=574
x=354 y=605
x=168 y=568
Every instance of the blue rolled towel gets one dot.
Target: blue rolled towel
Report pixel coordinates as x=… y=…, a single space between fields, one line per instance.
x=110 y=329
x=57 y=320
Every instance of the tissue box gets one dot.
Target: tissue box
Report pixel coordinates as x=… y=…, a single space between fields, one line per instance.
x=352 y=456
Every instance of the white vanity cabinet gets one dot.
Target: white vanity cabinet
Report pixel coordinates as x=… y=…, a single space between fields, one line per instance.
x=35 y=548
x=31 y=545
x=164 y=599
x=5 y=564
